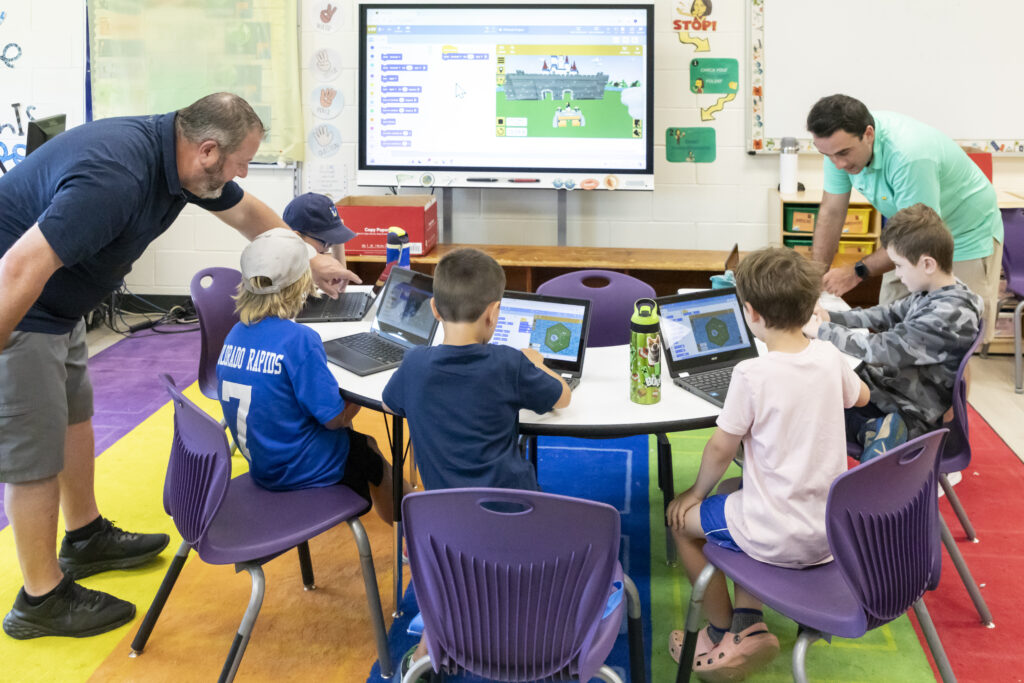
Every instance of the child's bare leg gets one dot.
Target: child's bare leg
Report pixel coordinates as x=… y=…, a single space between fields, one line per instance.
x=381 y=495
x=690 y=543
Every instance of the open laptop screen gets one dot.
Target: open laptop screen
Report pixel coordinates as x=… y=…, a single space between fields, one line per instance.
x=403 y=313
x=704 y=326
x=555 y=326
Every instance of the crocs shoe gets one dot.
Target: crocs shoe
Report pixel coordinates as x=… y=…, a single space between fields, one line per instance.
x=882 y=434
x=704 y=644
x=738 y=655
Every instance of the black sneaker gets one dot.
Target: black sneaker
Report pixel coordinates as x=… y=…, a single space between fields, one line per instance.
x=111 y=548
x=72 y=611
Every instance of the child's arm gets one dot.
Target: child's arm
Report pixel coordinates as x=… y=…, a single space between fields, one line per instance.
x=344 y=418
x=718 y=453
x=534 y=356
x=864 y=396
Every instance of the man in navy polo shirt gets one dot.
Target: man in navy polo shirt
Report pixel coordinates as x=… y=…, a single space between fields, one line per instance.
x=74 y=217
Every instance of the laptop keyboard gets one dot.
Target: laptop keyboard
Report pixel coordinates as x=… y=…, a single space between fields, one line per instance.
x=373 y=346
x=714 y=382
x=351 y=304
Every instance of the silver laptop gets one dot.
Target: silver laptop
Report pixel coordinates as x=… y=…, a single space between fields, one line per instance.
x=555 y=326
x=403 y=320
x=704 y=336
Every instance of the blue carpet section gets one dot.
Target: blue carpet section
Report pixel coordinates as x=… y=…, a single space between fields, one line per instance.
x=611 y=471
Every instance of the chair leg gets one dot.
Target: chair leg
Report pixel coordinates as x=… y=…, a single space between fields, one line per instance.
x=157 y=606
x=958 y=508
x=607 y=674
x=306 y=566
x=635 y=630
x=965 y=575
x=693 y=616
x=417 y=670
x=1018 y=381
x=372 y=596
x=241 y=640
x=931 y=636
x=803 y=643
x=666 y=482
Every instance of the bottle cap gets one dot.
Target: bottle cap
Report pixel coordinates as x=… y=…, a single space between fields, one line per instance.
x=788 y=145
x=645 y=312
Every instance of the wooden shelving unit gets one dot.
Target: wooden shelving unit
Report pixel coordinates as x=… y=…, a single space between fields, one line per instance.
x=865 y=294
x=527 y=266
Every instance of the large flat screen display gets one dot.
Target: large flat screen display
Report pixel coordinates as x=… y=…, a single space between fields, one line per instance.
x=484 y=95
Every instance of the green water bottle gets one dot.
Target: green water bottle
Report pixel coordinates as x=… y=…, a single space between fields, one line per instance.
x=644 y=353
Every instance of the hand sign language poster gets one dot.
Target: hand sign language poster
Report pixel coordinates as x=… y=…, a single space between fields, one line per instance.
x=325 y=171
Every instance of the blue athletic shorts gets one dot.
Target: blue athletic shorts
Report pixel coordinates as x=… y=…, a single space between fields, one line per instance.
x=712 y=520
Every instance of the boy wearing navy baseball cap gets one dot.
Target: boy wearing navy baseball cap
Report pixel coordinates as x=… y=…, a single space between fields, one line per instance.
x=315 y=217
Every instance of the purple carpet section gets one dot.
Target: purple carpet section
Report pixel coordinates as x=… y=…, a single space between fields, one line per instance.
x=126 y=385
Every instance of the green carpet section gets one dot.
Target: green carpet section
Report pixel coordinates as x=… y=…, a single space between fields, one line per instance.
x=891 y=653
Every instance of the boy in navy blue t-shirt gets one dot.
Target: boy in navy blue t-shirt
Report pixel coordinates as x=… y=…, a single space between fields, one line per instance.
x=463 y=397
x=280 y=401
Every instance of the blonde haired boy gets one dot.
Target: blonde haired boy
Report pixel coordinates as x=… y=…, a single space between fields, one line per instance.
x=280 y=401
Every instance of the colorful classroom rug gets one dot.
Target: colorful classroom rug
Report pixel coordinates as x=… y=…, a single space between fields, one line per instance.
x=991 y=495
x=324 y=634
x=610 y=471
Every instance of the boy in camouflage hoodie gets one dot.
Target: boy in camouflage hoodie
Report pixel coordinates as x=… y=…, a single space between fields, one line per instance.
x=912 y=356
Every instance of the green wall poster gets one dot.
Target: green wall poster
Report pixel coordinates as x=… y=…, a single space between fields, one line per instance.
x=690 y=144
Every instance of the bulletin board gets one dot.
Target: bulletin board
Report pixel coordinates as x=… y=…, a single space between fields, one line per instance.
x=153 y=56
x=947 y=63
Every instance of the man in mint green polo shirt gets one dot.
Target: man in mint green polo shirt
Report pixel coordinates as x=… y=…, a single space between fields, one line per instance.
x=896 y=162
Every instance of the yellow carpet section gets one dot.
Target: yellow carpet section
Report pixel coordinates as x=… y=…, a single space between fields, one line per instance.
x=299 y=635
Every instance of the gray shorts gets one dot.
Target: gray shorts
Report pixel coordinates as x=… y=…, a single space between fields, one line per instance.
x=44 y=387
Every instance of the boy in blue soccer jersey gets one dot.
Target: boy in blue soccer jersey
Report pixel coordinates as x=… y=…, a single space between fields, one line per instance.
x=280 y=401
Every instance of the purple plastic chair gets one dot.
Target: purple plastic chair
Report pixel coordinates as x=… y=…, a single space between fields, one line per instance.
x=955 y=456
x=883 y=529
x=234 y=521
x=212 y=290
x=1013 y=268
x=519 y=585
x=613 y=295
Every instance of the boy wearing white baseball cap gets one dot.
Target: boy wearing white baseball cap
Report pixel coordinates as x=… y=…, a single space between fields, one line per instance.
x=280 y=401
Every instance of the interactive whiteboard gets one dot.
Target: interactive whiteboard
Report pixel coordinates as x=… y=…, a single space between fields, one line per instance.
x=485 y=95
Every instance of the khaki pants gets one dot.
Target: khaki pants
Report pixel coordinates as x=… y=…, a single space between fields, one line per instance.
x=981 y=275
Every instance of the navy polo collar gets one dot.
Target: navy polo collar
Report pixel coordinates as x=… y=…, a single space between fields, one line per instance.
x=165 y=126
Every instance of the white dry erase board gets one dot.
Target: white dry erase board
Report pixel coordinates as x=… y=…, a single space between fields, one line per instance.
x=951 y=64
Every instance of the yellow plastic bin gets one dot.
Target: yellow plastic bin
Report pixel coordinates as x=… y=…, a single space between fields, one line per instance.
x=859 y=248
x=858 y=221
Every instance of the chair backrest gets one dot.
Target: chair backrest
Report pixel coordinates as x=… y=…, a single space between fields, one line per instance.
x=883 y=527
x=211 y=290
x=613 y=295
x=198 y=471
x=1013 y=249
x=511 y=584
x=956 y=453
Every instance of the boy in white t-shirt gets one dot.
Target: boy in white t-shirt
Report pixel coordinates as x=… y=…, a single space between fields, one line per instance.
x=786 y=408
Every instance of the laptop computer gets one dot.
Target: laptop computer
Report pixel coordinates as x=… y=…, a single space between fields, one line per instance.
x=704 y=336
x=348 y=307
x=555 y=326
x=403 y=320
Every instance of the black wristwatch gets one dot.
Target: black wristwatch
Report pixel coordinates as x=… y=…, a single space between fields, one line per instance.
x=861 y=270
